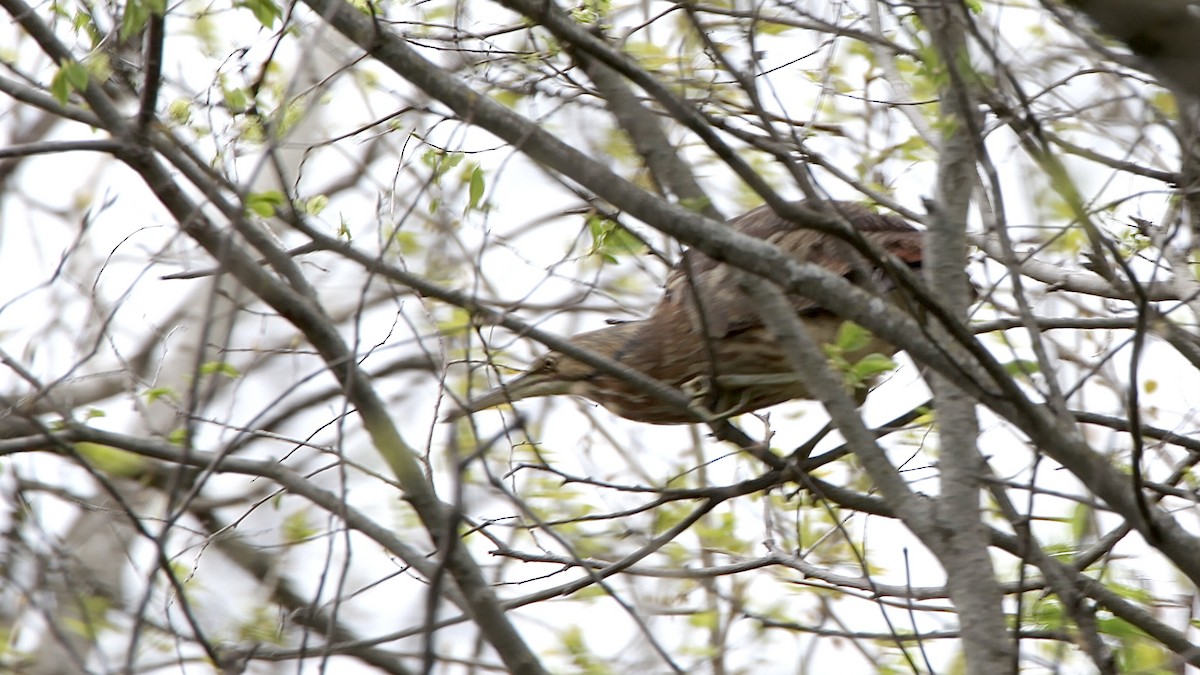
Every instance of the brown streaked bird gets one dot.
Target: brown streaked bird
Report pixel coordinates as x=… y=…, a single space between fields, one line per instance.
x=717 y=348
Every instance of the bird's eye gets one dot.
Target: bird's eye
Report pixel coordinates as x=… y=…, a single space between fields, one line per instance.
x=549 y=362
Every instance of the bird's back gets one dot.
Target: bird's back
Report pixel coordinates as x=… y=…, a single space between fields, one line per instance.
x=724 y=307
x=738 y=345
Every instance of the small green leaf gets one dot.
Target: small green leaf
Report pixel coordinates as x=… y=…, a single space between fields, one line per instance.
x=708 y=619
x=770 y=28
x=871 y=365
x=404 y=243
x=156 y=393
x=235 y=100
x=610 y=240
x=134 y=19
x=696 y=204
x=264 y=10
x=261 y=627
x=455 y=324
x=177 y=437
x=1021 y=367
x=110 y=460
x=440 y=161
x=296 y=528
x=264 y=203
x=1165 y=102
x=71 y=76
x=99 y=67
x=76 y=74
x=221 y=368
x=314 y=205
x=506 y=98
x=1082 y=524
x=91 y=616
x=852 y=337
x=477 y=186
x=180 y=111
x=60 y=89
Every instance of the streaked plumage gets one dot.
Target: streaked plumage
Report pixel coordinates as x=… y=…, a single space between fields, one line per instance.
x=718 y=348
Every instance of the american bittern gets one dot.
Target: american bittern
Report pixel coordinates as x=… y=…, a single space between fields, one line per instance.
x=706 y=337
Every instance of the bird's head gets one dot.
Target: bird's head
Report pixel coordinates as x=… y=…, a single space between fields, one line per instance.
x=556 y=373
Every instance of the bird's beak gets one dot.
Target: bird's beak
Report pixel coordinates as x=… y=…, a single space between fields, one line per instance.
x=529 y=385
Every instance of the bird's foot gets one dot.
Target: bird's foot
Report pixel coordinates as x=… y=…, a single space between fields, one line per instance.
x=701 y=390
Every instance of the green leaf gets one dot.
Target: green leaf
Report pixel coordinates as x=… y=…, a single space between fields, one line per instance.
x=76 y=74
x=403 y=243
x=180 y=111
x=264 y=10
x=652 y=56
x=456 y=323
x=98 y=66
x=477 y=186
x=696 y=204
x=771 y=28
x=235 y=100
x=1021 y=367
x=297 y=529
x=264 y=203
x=314 y=205
x=1120 y=629
x=610 y=240
x=871 y=365
x=506 y=98
x=590 y=11
x=60 y=89
x=708 y=619
x=1081 y=522
x=220 y=368
x=71 y=76
x=110 y=460
x=1165 y=101
x=91 y=617
x=156 y=393
x=440 y=161
x=852 y=337
x=1138 y=654
x=134 y=19
x=261 y=627
x=1046 y=612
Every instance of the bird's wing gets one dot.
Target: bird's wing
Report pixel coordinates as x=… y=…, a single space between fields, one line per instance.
x=727 y=310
